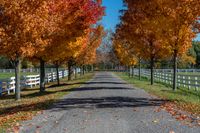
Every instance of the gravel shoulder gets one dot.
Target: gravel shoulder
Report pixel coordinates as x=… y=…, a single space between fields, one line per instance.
x=106 y=104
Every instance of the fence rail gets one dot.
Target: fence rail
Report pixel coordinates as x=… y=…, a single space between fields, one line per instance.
x=29 y=70
x=186 y=81
x=29 y=81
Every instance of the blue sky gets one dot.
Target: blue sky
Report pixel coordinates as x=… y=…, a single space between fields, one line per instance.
x=111 y=19
x=112 y=13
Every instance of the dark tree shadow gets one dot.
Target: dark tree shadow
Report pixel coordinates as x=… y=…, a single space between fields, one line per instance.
x=105 y=102
x=38 y=94
x=86 y=83
x=26 y=107
x=96 y=88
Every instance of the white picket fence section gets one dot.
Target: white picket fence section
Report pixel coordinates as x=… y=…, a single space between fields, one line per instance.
x=30 y=81
x=184 y=81
x=51 y=77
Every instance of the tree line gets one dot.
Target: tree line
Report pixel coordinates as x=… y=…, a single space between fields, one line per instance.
x=157 y=30
x=50 y=31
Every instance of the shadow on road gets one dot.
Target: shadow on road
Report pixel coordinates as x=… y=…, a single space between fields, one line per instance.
x=97 y=88
x=87 y=83
x=105 y=102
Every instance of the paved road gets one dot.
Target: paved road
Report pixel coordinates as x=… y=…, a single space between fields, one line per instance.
x=106 y=104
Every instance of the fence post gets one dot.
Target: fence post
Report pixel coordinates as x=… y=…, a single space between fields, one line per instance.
x=196 y=83
x=8 y=87
x=179 y=81
x=63 y=73
x=184 y=81
x=48 y=78
x=1 y=88
x=189 y=83
x=166 y=78
x=52 y=76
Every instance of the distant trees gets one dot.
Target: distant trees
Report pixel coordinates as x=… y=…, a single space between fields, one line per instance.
x=106 y=58
x=195 y=52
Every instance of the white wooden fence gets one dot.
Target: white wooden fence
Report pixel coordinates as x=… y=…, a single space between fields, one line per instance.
x=183 y=80
x=29 y=81
x=29 y=70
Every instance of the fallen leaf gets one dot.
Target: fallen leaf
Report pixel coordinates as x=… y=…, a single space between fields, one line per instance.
x=38 y=126
x=155 y=121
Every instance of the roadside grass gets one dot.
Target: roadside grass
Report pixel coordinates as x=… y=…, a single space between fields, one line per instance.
x=189 y=73
x=33 y=102
x=185 y=99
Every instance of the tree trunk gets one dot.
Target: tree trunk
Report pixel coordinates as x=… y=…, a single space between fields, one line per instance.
x=175 y=71
x=129 y=71
x=92 y=68
x=152 y=70
x=126 y=70
x=132 y=71
x=139 y=69
x=75 y=72
x=42 y=75
x=83 y=69
x=57 y=73
x=86 y=68
x=69 y=70
x=17 y=78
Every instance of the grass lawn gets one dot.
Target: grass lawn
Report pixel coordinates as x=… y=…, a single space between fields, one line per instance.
x=189 y=73
x=8 y=75
x=183 y=98
x=33 y=102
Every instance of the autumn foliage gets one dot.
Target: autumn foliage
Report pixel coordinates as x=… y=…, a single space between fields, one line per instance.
x=46 y=31
x=155 y=30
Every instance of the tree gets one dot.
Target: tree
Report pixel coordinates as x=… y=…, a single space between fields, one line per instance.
x=93 y=40
x=37 y=29
x=21 y=26
x=196 y=52
x=181 y=26
x=71 y=21
x=139 y=30
x=178 y=22
x=124 y=54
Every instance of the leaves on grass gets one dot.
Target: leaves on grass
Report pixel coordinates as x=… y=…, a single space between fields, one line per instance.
x=174 y=110
x=32 y=103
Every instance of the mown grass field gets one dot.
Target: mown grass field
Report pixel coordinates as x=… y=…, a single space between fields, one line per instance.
x=33 y=102
x=189 y=73
x=185 y=99
x=8 y=75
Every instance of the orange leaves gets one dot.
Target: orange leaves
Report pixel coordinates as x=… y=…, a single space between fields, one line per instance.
x=22 y=24
x=32 y=28
x=93 y=40
x=175 y=110
x=157 y=28
x=74 y=21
